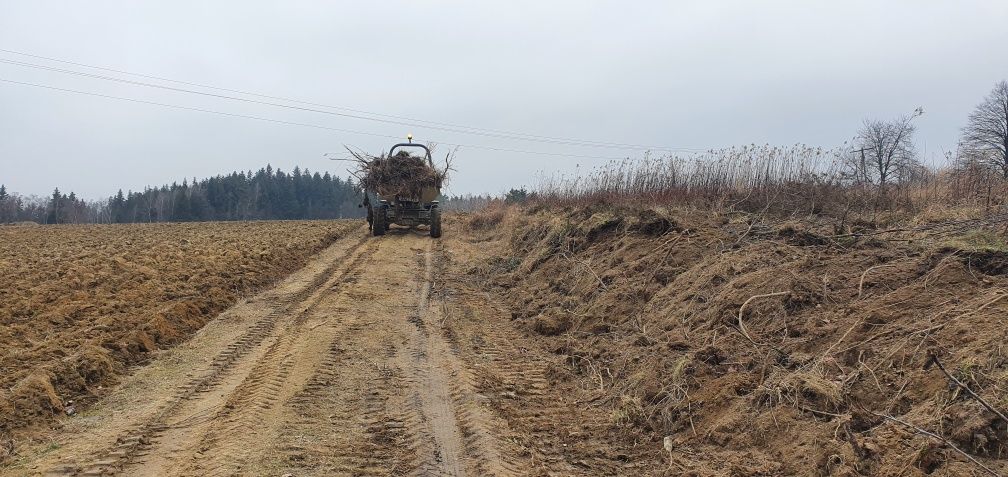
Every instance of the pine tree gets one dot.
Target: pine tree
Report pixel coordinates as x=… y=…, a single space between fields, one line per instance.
x=53 y=217
x=117 y=208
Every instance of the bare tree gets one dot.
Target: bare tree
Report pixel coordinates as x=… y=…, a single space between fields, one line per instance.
x=986 y=134
x=885 y=150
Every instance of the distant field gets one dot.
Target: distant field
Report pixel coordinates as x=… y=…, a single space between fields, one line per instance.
x=79 y=303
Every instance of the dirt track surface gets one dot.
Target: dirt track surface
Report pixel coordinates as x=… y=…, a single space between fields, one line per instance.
x=362 y=363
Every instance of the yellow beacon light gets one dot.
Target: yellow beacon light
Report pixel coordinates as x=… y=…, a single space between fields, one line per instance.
x=409 y=137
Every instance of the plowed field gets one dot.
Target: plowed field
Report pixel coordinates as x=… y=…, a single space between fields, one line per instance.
x=81 y=303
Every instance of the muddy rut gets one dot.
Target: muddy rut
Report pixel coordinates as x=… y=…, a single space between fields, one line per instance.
x=345 y=368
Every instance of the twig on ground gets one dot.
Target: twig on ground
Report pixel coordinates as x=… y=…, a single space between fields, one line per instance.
x=868 y=234
x=667 y=255
x=744 y=234
x=741 y=309
x=587 y=266
x=935 y=436
x=741 y=323
x=951 y=226
x=934 y=359
x=842 y=338
x=860 y=286
x=982 y=307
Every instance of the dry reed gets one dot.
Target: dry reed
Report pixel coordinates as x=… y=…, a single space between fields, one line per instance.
x=797 y=179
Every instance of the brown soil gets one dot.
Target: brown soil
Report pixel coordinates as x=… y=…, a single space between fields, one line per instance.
x=341 y=369
x=573 y=343
x=644 y=310
x=81 y=303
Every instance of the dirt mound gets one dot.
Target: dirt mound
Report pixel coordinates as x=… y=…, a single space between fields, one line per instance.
x=81 y=303
x=772 y=346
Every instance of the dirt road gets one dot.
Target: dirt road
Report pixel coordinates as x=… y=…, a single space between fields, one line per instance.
x=362 y=363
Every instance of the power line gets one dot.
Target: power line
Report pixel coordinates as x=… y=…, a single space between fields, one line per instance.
x=254 y=101
x=294 y=123
x=300 y=108
x=401 y=120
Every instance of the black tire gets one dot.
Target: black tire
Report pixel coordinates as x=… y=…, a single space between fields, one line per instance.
x=435 y=222
x=378 y=227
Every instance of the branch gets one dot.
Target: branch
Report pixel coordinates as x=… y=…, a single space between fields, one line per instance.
x=863 y=275
x=934 y=359
x=742 y=325
x=587 y=266
x=935 y=436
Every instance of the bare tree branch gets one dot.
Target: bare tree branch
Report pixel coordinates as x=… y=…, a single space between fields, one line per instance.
x=986 y=134
x=886 y=153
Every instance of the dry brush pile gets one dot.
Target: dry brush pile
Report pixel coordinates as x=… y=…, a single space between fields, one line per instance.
x=80 y=303
x=763 y=347
x=402 y=174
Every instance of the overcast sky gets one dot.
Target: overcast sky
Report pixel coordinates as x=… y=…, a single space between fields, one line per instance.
x=678 y=74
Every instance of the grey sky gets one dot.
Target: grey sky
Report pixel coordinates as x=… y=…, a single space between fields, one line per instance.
x=694 y=74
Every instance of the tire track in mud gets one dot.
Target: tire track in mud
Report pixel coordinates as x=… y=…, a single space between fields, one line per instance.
x=364 y=430
x=367 y=391
x=137 y=442
x=430 y=394
x=462 y=438
x=224 y=447
x=390 y=396
x=352 y=373
x=519 y=380
x=511 y=379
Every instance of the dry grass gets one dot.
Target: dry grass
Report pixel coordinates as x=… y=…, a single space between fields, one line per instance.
x=798 y=180
x=486 y=218
x=979 y=240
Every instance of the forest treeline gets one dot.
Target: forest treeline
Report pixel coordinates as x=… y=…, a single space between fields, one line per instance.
x=267 y=194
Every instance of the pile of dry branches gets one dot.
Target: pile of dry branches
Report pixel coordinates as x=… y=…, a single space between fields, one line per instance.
x=403 y=174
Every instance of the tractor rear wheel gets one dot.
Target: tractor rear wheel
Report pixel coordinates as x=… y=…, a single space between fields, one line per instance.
x=435 y=222
x=378 y=226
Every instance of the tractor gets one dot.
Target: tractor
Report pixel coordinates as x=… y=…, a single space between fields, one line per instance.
x=383 y=210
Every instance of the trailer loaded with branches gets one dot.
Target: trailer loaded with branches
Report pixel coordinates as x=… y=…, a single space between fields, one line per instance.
x=401 y=188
